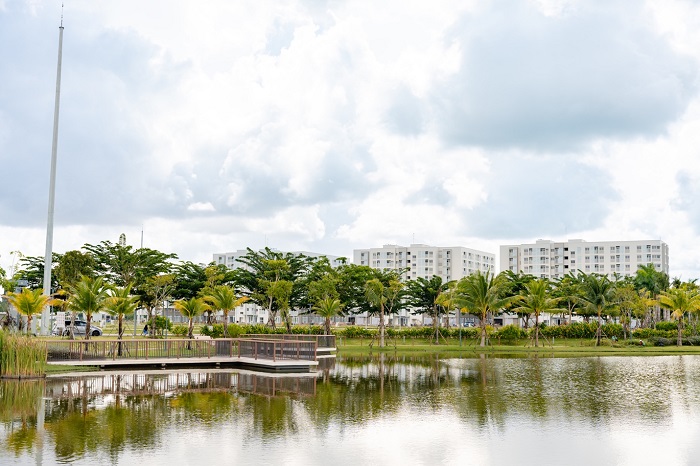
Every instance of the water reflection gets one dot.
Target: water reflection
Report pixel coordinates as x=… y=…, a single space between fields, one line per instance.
x=409 y=409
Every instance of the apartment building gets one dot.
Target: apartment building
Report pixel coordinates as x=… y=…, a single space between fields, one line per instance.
x=422 y=260
x=552 y=259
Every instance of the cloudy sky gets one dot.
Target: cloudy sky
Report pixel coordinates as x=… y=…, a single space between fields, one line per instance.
x=326 y=125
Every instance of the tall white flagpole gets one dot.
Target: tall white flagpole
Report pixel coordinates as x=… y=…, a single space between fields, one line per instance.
x=48 y=258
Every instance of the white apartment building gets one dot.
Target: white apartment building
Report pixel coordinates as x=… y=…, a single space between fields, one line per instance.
x=250 y=313
x=552 y=259
x=449 y=263
x=422 y=260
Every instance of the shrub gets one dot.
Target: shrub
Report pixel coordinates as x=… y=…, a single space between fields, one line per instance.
x=661 y=341
x=667 y=326
x=213 y=331
x=180 y=330
x=510 y=333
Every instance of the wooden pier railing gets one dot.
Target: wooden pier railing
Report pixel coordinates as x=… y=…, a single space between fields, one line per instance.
x=144 y=349
x=322 y=341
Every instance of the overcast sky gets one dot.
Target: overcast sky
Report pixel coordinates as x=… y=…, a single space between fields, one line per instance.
x=328 y=125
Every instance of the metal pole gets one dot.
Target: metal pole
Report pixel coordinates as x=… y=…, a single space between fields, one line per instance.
x=48 y=260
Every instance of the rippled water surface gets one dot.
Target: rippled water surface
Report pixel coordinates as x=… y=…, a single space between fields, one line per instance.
x=380 y=410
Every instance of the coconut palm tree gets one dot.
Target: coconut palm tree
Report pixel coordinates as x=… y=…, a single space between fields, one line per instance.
x=481 y=294
x=224 y=297
x=383 y=297
x=191 y=308
x=597 y=297
x=88 y=296
x=537 y=299
x=680 y=301
x=29 y=302
x=121 y=303
x=328 y=308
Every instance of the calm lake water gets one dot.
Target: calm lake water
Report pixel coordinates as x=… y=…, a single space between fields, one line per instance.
x=356 y=411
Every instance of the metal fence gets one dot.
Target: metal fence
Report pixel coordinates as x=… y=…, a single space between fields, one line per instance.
x=95 y=350
x=143 y=349
x=322 y=341
x=277 y=350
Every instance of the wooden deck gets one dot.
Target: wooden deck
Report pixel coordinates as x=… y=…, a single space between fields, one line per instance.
x=258 y=354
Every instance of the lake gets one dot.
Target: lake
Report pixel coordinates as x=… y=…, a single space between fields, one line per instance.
x=366 y=410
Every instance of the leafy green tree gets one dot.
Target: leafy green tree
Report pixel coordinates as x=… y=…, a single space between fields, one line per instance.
x=29 y=302
x=351 y=287
x=88 y=296
x=191 y=308
x=598 y=298
x=327 y=308
x=72 y=266
x=189 y=280
x=680 y=301
x=31 y=269
x=482 y=294
x=536 y=300
x=224 y=298
x=275 y=281
x=122 y=265
x=424 y=295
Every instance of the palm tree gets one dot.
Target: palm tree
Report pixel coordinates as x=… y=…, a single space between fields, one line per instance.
x=536 y=300
x=328 y=308
x=88 y=296
x=597 y=297
x=680 y=301
x=29 y=302
x=224 y=297
x=383 y=297
x=191 y=308
x=481 y=294
x=121 y=304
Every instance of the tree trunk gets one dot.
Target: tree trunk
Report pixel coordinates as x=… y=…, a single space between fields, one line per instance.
x=381 y=326
x=482 y=324
x=680 y=332
x=120 y=332
x=537 y=329
x=328 y=325
x=436 y=324
x=599 y=330
x=225 y=323
x=88 y=320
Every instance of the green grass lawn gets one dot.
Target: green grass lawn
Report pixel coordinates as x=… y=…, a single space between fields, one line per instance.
x=559 y=347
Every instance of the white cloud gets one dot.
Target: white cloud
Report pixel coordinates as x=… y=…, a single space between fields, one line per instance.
x=332 y=125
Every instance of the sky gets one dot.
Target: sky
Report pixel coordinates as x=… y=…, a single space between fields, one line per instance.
x=329 y=125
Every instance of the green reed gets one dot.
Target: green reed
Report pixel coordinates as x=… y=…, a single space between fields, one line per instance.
x=22 y=356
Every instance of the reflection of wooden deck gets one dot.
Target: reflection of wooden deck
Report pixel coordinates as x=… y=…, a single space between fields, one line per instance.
x=286 y=365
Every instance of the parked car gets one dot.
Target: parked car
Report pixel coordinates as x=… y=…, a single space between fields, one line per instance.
x=78 y=329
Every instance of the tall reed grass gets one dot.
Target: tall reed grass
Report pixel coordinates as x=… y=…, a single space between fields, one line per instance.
x=22 y=356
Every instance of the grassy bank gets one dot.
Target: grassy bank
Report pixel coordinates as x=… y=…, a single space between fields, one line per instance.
x=557 y=348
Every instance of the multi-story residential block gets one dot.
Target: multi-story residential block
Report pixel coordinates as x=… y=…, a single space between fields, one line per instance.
x=421 y=260
x=552 y=259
